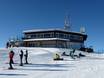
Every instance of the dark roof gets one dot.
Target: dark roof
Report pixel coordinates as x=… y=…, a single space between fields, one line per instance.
x=50 y=30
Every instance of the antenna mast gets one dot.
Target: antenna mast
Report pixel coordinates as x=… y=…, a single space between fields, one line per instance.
x=82 y=29
x=67 y=23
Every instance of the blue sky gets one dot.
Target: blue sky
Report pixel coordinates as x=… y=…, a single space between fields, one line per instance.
x=19 y=15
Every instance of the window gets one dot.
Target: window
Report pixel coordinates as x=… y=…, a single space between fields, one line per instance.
x=75 y=37
x=57 y=35
x=47 y=35
x=61 y=35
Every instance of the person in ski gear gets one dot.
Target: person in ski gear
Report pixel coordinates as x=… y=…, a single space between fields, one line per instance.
x=72 y=54
x=21 y=57
x=57 y=57
x=26 y=57
x=11 y=54
x=7 y=44
x=64 y=54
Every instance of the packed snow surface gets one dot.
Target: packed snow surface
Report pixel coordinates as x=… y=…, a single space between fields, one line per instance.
x=42 y=65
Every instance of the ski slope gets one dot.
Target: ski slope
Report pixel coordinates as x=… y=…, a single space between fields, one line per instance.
x=42 y=64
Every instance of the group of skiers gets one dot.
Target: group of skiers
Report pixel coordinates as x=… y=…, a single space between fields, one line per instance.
x=71 y=54
x=11 y=55
x=57 y=57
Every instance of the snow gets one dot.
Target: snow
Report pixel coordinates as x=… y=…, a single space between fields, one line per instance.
x=44 y=39
x=41 y=64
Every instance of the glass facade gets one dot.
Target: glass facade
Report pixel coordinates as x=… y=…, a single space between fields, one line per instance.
x=54 y=35
x=70 y=37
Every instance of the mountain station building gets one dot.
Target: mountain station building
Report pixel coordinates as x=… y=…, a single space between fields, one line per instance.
x=55 y=38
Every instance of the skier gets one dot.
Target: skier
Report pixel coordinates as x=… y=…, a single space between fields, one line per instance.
x=21 y=57
x=64 y=54
x=81 y=55
x=7 y=44
x=72 y=54
x=11 y=54
x=26 y=56
x=57 y=57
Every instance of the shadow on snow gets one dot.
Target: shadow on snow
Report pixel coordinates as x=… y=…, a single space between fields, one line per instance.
x=13 y=74
x=44 y=69
x=47 y=65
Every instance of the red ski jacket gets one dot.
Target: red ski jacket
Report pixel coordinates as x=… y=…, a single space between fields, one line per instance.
x=11 y=55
